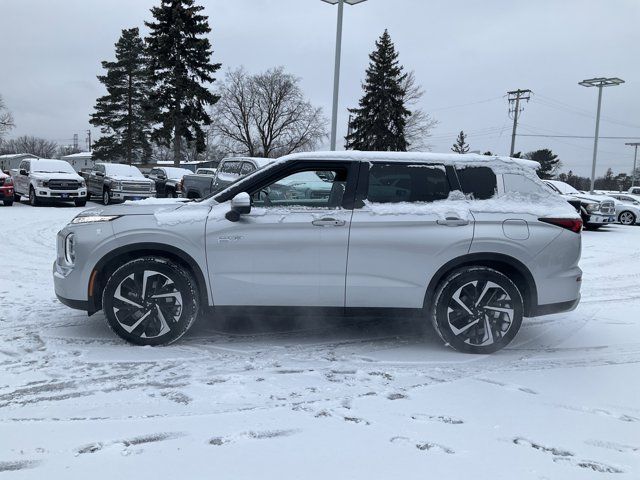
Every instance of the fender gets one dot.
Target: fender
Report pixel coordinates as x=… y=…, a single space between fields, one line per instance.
x=525 y=282
x=136 y=250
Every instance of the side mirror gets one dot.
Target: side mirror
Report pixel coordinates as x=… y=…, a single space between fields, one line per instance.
x=99 y=174
x=162 y=177
x=240 y=205
x=23 y=172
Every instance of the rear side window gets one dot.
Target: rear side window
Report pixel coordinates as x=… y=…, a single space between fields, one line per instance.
x=247 y=168
x=393 y=183
x=521 y=184
x=477 y=182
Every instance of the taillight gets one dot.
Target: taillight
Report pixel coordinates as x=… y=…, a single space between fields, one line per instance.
x=573 y=224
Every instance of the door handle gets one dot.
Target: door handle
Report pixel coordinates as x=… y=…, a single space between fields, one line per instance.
x=328 y=222
x=453 y=222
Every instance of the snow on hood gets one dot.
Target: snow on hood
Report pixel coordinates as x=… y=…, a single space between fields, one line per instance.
x=127 y=178
x=130 y=208
x=186 y=213
x=56 y=176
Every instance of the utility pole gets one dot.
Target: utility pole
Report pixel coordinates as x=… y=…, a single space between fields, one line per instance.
x=514 y=97
x=635 y=159
x=89 y=139
x=75 y=141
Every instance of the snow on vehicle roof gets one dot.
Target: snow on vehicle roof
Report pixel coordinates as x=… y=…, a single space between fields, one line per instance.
x=121 y=170
x=50 y=165
x=259 y=161
x=423 y=157
x=176 y=173
x=563 y=187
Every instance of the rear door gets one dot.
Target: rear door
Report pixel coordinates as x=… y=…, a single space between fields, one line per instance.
x=403 y=229
x=22 y=181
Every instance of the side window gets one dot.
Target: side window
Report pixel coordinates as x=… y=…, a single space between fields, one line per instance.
x=308 y=188
x=154 y=172
x=521 y=184
x=477 y=182
x=231 y=167
x=247 y=168
x=393 y=183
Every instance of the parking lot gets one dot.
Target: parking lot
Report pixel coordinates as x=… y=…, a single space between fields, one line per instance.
x=244 y=393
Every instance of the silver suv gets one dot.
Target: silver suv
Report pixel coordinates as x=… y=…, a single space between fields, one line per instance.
x=469 y=243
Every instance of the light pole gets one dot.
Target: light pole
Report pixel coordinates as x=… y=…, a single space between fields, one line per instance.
x=599 y=82
x=635 y=158
x=336 y=71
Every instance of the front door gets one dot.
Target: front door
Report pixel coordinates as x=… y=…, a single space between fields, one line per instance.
x=404 y=227
x=291 y=250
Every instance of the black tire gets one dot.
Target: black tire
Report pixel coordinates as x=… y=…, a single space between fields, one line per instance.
x=592 y=226
x=16 y=197
x=80 y=203
x=33 y=198
x=171 y=193
x=106 y=197
x=465 y=304
x=141 y=314
x=627 y=218
x=7 y=203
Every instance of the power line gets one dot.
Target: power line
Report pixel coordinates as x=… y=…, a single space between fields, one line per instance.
x=590 y=137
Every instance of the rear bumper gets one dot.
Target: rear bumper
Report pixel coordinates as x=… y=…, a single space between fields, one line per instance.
x=551 y=308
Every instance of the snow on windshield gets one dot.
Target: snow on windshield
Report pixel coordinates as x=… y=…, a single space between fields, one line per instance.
x=51 y=166
x=120 y=170
x=565 y=188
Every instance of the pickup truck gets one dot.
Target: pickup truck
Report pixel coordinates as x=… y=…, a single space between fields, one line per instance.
x=595 y=210
x=117 y=182
x=44 y=179
x=168 y=180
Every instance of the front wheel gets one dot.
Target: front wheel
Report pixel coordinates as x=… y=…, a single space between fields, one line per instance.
x=150 y=301
x=80 y=203
x=627 y=218
x=106 y=197
x=477 y=310
x=16 y=197
x=7 y=203
x=33 y=198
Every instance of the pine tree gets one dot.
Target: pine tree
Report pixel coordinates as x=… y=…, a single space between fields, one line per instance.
x=121 y=113
x=181 y=66
x=379 y=121
x=461 y=145
x=549 y=162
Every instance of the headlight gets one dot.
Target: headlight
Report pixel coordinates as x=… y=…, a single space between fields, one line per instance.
x=116 y=185
x=40 y=183
x=70 y=249
x=94 y=218
x=592 y=207
x=83 y=184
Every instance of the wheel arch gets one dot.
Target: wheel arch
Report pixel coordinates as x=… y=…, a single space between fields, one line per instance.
x=114 y=259
x=506 y=264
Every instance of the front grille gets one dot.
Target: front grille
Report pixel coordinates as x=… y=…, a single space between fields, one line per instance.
x=64 y=184
x=136 y=187
x=607 y=207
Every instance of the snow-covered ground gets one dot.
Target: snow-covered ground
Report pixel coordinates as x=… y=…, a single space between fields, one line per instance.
x=323 y=398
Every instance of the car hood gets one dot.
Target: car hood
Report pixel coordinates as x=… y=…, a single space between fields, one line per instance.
x=593 y=198
x=124 y=178
x=143 y=207
x=54 y=175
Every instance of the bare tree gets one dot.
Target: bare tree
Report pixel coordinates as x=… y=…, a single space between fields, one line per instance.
x=419 y=124
x=265 y=115
x=39 y=147
x=6 y=119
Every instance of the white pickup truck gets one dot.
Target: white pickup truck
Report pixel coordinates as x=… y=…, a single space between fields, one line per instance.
x=45 y=179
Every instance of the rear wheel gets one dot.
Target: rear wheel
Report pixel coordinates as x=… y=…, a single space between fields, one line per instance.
x=150 y=301
x=477 y=310
x=627 y=218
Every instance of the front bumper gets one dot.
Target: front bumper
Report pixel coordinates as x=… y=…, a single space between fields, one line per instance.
x=6 y=192
x=601 y=219
x=44 y=192
x=127 y=195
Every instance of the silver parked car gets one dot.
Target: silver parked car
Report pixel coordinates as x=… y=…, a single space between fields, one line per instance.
x=115 y=182
x=469 y=243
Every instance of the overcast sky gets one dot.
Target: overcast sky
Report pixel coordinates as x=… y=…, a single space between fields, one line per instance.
x=466 y=54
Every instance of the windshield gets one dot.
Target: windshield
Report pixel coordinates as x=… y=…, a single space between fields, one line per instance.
x=173 y=172
x=235 y=182
x=51 y=166
x=120 y=170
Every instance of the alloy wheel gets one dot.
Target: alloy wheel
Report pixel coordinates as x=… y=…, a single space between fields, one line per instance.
x=105 y=197
x=480 y=312
x=147 y=304
x=627 y=218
